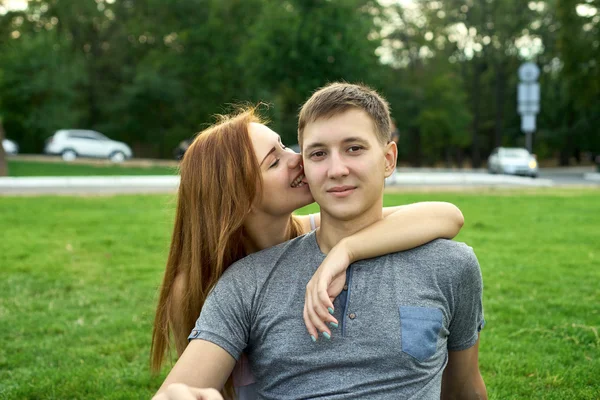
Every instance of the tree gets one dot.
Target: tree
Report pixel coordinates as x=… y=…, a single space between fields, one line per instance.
x=445 y=121
x=578 y=47
x=152 y=73
x=304 y=44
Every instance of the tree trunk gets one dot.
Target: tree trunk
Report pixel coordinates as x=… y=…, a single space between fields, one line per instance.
x=3 y=162
x=500 y=89
x=567 y=149
x=459 y=157
x=448 y=155
x=475 y=154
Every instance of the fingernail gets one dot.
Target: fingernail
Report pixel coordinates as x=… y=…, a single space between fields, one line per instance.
x=327 y=335
x=333 y=324
x=314 y=339
x=330 y=310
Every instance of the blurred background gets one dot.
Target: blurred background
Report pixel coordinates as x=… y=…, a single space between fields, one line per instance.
x=152 y=73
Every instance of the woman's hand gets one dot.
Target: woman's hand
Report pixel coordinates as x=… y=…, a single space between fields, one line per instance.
x=326 y=284
x=179 y=391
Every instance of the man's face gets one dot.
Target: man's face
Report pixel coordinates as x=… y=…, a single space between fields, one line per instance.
x=345 y=165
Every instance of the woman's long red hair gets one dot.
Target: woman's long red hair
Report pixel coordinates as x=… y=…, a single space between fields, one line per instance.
x=220 y=180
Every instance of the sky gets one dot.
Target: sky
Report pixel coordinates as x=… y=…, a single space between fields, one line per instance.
x=15 y=4
x=402 y=2
x=8 y=5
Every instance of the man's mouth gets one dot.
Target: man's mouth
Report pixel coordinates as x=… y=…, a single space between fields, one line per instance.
x=299 y=181
x=341 y=189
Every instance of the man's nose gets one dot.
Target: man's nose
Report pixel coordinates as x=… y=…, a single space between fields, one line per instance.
x=337 y=166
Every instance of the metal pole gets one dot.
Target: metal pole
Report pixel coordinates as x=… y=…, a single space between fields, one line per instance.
x=528 y=139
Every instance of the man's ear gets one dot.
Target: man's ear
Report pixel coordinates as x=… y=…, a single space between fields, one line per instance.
x=391 y=153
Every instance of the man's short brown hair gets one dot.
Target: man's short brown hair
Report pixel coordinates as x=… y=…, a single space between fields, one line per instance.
x=337 y=98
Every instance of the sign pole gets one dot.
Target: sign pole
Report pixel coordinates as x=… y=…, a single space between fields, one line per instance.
x=528 y=97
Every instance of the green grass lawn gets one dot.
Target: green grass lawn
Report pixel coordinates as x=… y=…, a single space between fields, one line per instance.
x=80 y=277
x=19 y=168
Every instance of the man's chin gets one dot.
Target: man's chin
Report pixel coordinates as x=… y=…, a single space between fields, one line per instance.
x=342 y=215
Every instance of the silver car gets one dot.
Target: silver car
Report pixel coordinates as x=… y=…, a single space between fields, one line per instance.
x=513 y=161
x=73 y=143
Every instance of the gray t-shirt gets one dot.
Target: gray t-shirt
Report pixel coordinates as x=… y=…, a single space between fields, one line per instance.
x=399 y=316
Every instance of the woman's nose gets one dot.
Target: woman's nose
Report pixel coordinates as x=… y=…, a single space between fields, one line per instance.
x=294 y=160
x=289 y=149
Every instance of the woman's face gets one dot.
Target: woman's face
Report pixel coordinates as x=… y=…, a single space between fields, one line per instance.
x=284 y=186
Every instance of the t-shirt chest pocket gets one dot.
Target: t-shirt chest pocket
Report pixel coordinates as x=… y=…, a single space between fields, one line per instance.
x=419 y=330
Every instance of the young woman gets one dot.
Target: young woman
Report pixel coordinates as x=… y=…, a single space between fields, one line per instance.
x=239 y=186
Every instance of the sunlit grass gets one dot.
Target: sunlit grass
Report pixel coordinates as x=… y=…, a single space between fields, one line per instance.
x=18 y=168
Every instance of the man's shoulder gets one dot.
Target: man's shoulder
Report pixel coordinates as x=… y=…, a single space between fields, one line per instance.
x=442 y=248
x=444 y=253
x=449 y=249
x=262 y=262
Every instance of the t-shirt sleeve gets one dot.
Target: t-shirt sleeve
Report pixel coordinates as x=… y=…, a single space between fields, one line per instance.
x=467 y=319
x=225 y=318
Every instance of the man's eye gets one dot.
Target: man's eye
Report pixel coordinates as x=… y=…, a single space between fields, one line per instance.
x=318 y=154
x=354 y=149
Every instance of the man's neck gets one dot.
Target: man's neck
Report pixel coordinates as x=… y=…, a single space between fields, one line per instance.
x=265 y=231
x=333 y=230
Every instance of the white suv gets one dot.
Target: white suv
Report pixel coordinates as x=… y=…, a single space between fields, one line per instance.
x=73 y=143
x=10 y=147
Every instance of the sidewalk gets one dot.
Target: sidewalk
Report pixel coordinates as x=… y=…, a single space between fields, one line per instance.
x=550 y=170
x=462 y=179
x=89 y=185
x=169 y=184
x=154 y=181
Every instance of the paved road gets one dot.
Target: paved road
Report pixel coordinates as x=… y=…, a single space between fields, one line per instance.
x=405 y=179
x=569 y=176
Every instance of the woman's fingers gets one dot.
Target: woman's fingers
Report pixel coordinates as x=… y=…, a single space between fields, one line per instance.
x=312 y=331
x=318 y=314
x=314 y=317
x=326 y=284
x=322 y=312
x=322 y=294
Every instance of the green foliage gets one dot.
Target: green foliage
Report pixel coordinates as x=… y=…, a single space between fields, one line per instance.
x=487 y=41
x=39 y=91
x=80 y=281
x=445 y=121
x=302 y=45
x=155 y=72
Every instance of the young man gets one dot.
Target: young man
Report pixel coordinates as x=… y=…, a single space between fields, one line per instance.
x=407 y=323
